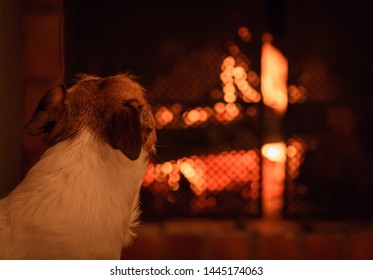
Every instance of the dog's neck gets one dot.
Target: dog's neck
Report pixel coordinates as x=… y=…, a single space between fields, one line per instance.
x=88 y=162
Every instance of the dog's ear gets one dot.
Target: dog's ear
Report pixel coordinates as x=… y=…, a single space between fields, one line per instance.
x=49 y=111
x=124 y=130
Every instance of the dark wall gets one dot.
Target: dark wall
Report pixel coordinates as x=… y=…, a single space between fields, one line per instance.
x=10 y=97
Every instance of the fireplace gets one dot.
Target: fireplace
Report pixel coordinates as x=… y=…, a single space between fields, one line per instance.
x=202 y=66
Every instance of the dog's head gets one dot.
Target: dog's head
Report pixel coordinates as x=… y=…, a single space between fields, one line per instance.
x=113 y=108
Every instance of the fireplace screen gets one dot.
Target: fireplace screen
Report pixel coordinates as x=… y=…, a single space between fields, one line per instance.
x=201 y=67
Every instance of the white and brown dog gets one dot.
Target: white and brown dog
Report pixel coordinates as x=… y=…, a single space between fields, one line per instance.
x=80 y=201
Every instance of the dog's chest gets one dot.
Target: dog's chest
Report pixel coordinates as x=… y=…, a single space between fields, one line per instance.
x=82 y=193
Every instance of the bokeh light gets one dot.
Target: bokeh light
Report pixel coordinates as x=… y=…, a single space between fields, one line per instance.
x=207 y=175
x=274 y=151
x=244 y=33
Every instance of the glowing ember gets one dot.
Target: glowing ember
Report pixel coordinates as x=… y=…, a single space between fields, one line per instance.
x=232 y=110
x=239 y=73
x=193 y=116
x=295 y=156
x=273 y=169
x=166 y=168
x=234 y=49
x=219 y=107
x=236 y=81
x=274 y=90
x=244 y=33
x=275 y=151
x=229 y=89
x=297 y=94
x=230 y=98
x=207 y=174
x=228 y=61
x=163 y=117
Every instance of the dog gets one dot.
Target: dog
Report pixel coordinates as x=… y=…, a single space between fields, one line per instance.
x=80 y=200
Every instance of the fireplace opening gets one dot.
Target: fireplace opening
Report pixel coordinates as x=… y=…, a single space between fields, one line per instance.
x=224 y=150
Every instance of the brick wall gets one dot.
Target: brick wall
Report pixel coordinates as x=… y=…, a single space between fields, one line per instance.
x=258 y=239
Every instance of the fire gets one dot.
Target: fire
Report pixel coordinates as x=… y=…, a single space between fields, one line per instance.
x=208 y=174
x=275 y=152
x=274 y=74
x=274 y=91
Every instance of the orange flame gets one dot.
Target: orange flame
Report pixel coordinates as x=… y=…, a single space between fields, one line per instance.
x=274 y=74
x=275 y=151
x=274 y=90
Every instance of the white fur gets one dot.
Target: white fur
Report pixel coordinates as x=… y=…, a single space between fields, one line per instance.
x=79 y=201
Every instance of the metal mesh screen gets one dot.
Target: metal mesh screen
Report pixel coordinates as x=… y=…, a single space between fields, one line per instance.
x=327 y=161
x=208 y=161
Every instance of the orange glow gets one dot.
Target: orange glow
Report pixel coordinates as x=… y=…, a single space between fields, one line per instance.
x=244 y=33
x=234 y=49
x=228 y=61
x=219 y=107
x=176 y=108
x=229 y=89
x=187 y=170
x=267 y=38
x=272 y=188
x=275 y=151
x=149 y=175
x=236 y=83
x=273 y=171
x=204 y=113
x=230 y=98
x=232 y=110
x=239 y=73
x=252 y=112
x=255 y=96
x=208 y=173
x=274 y=74
x=193 y=116
x=253 y=78
x=163 y=117
x=295 y=152
x=291 y=151
x=242 y=85
x=197 y=116
x=166 y=168
x=226 y=77
x=297 y=94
